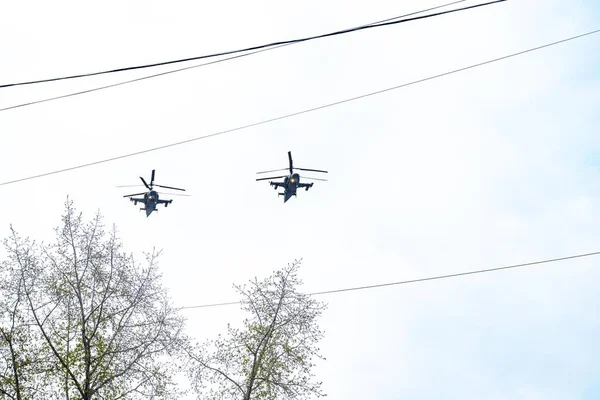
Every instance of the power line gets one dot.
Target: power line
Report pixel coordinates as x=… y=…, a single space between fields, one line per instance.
x=431 y=278
x=298 y=112
x=224 y=53
x=199 y=65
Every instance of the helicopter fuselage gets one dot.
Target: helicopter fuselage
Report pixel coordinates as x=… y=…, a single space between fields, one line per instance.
x=151 y=198
x=290 y=186
x=150 y=201
x=291 y=182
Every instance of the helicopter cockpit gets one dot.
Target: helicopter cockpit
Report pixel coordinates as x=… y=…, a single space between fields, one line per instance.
x=152 y=196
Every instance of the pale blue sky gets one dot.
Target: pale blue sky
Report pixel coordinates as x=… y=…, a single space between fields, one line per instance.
x=493 y=166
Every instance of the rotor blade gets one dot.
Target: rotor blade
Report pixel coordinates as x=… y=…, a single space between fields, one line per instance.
x=273 y=170
x=272 y=177
x=314 y=179
x=313 y=170
x=174 y=194
x=169 y=187
x=128 y=186
x=152 y=179
x=135 y=194
x=291 y=163
x=145 y=184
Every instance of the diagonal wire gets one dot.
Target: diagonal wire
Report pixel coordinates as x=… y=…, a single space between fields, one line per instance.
x=344 y=31
x=431 y=278
x=64 y=96
x=299 y=112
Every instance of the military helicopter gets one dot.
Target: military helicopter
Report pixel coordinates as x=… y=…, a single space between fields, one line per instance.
x=151 y=198
x=291 y=182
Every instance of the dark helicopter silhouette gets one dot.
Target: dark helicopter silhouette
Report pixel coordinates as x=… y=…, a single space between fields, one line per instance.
x=151 y=198
x=291 y=182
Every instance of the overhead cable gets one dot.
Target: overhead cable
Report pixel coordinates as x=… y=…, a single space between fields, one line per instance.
x=431 y=278
x=224 y=53
x=298 y=112
x=72 y=94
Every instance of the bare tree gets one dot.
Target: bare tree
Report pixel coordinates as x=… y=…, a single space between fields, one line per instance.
x=22 y=367
x=104 y=323
x=271 y=357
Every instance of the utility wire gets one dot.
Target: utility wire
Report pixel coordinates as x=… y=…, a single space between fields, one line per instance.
x=298 y=112
x=248 y=48
x=200 y=65
x=431 y=278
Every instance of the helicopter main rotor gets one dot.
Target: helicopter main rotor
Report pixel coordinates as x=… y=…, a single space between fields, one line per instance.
x=152 y=185
x=291 y=169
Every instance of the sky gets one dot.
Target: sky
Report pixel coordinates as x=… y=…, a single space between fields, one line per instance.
x=493 y=166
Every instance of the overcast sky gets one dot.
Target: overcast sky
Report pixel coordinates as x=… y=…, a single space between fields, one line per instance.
x=493 y=166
